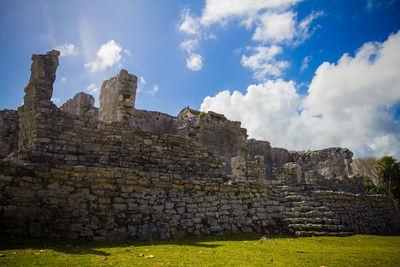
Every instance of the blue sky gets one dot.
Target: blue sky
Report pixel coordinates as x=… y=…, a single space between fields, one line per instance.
x=301 y=74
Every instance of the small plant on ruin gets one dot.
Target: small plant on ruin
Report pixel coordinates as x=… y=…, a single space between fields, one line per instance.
x=371 y=188
x=202 y=114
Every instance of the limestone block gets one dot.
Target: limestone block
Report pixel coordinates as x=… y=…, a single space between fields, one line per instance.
x=117 y=97
x=290 y=173
x=81 y=105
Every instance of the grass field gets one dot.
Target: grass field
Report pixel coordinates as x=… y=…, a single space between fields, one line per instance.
x=230 y=250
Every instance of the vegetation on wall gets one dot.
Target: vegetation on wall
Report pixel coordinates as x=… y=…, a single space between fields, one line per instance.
x=383 y=177
x=202 y=114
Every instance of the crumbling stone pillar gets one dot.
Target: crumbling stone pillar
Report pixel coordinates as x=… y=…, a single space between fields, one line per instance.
x=117 y=97
x=34 y=127
x=43 y=75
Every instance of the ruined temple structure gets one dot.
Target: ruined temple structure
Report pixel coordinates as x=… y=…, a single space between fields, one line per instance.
x=117 y=172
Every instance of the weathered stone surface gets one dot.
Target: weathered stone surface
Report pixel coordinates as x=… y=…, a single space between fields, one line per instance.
x=290 y=173
x=8 y=132
x=81 y=105
x=43 y=75
x=145 y=175
x=117 y=97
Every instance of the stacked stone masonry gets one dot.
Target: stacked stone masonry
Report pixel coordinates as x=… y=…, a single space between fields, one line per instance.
x=116 y=172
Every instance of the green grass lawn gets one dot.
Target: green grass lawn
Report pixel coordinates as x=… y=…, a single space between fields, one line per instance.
x=230 y=250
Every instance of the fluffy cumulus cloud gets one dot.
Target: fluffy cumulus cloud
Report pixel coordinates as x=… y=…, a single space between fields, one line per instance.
x=262 y=62
x=189 y=23
x=108 y=55
x=348 y=104
x=67 y=49
x=219 y=11
x=194 y=62
x=275 y=27
x=273 y=22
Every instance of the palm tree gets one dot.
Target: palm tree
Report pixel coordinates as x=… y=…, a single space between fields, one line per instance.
x=388 y=170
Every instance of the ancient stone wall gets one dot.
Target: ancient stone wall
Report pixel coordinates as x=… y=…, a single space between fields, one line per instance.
x=134 y=174
x=125 y=203
x=8 y=132
x=120 y=203
x=222 y=137
x=310 y=211
x=155 y=122
x=65 y=139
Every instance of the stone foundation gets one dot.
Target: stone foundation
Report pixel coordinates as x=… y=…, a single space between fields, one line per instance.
x=121 y=203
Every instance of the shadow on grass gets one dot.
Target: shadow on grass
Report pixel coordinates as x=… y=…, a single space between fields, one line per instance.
x=81 y=247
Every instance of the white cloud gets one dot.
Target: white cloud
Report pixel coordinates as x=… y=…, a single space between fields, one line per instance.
x=219 y=11
x=210 y=36
x=108 y=55
x=194 y=62
x=154 y=90
x=348 y=104
x=64 y=79
x=189 y=45
x=141 y=84
x=304 y=63
x=303 y=30
x=274 y=21
x=92 y=88
x=263 y=62
x=189 y=24
x=67 y=49
x=128 y=52
x=275 y=27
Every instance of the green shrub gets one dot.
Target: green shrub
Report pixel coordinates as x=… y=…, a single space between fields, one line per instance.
x=371 y=188
x=202 y=114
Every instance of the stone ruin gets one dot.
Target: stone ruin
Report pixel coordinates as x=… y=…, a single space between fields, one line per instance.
x=117 y=172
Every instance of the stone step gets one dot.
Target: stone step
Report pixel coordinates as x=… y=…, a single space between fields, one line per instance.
x=314 y=233
x=312 y=220
x=306 y=208
x=294 y=193
x=316 y=227
x=294 y=198
x=310 y=214
x=303 y=204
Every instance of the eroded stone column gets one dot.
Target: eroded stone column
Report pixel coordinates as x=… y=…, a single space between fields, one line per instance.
x=117 y=97
x=43 y=75
x=34 y=128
